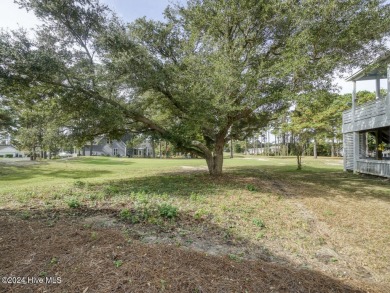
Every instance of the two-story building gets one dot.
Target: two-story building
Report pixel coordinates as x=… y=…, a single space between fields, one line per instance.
x=366 y=127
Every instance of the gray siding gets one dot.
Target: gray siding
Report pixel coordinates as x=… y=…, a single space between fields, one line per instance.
x=370 y=115
x=348 y=150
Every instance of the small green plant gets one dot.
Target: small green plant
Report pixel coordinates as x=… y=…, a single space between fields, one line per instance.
x=94 y=235
x=259 y=223
x=73 y=203
x=125 y=214
x=163 y=284
x=197 y=197
x=168 y=211
x=25 y=215
x=79 y=184
x=234 y=257
x=57 y=196
x=94 y=196
x=54 y=261
x=199 y=214
x=111 y=190
x=251 y=187
x=118 y=263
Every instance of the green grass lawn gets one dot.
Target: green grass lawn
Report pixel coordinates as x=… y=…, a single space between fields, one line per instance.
x=320 y=217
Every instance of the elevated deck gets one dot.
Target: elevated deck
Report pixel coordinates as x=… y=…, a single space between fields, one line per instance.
x=374 y=114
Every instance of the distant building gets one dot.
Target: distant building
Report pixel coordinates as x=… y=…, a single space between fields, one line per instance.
x=273 y=149
x=103 y=146
x=9 y=151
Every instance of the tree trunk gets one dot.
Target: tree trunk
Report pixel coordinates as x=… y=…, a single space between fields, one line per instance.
x=332 y=148
x=231 y=148
x=91 y=147
x=299 y=162
x=153 y=151
x=315 y=148
x=215 y=160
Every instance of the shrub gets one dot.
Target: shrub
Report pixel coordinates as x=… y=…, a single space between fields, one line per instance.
x=125 y=214
x=167 y=211
x=74 y=203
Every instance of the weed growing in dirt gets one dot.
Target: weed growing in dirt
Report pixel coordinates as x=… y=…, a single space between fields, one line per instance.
x=54 y=261
x=111 y=191
x=168 y=211
x=259 y=223
x=94 y=235
x=251 y=187
x=73 y=203
x=118 y=263
x=125 y=214
x=200 y=214
x=25 y=215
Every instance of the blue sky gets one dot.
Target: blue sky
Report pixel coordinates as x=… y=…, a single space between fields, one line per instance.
x=129 y=10
x=12 y=17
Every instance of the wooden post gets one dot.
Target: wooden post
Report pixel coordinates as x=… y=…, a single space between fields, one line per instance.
x=355 y=133
x=378 y=88
x=388 y=87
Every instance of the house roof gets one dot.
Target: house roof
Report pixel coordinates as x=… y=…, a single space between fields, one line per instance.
x=375 y=70
x=4 y=147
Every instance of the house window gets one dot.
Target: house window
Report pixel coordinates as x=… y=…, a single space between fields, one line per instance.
x=115 y=152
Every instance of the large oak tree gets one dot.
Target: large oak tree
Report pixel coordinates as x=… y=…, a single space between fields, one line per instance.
x=214 y=70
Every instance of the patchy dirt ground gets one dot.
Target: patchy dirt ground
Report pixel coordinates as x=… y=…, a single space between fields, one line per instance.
x=94 y=252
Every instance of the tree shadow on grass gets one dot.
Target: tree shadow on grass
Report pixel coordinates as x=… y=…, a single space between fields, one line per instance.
x=12 y=173
x=358 y=186
x=95 y=249
x=182 y=185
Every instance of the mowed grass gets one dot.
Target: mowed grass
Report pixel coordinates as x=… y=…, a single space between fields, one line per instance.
x=319 y=218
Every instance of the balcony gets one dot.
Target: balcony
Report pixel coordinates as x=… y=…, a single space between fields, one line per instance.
x=374 y=114
x=373 y=167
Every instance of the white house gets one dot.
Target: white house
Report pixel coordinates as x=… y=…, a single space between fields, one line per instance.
x=117 y=148
x=9 y=151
